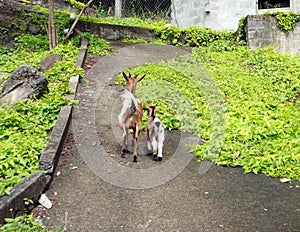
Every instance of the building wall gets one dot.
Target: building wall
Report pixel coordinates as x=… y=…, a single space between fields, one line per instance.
x=215 y=14
x=185 y=13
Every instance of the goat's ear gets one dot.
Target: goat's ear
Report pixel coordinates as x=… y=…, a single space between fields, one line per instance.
x=141 y=78
x=125 y=76
x=158 y=111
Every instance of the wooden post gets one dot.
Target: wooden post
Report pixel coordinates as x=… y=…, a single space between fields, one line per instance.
x=118 y=8
x=52 y=31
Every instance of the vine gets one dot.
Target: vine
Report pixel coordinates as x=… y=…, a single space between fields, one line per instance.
x=240 y=33
x=286 y=21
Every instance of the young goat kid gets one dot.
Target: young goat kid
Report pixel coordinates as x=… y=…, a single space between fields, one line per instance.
x=155 y=133
x=131 y=113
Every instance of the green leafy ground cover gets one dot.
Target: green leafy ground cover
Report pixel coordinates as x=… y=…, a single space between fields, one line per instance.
x=24 y=223
x=256 y=123
x=24 y=128
x=261 y=91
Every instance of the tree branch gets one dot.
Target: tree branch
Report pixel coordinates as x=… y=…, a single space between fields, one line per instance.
x=77 y=19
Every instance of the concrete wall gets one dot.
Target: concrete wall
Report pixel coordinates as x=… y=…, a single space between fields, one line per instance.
x=58 y=4
x=186 y=13
x=215 y=14
x=262 y=31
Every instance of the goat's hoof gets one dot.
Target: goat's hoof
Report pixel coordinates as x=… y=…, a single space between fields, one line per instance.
x=150 y=154
x=135 y=158
x=154 y=157
x=159 y=159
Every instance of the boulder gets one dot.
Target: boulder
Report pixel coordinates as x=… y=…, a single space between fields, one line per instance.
x=25 y=82
x=49 y=61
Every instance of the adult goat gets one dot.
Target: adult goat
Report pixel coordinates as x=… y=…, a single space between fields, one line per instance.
x=131 y=113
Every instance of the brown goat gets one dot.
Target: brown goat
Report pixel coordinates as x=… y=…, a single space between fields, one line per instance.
x=131 y=113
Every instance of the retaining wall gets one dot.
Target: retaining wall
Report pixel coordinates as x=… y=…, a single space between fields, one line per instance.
x=262 y=31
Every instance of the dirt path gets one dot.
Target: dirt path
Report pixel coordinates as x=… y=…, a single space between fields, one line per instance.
x=96 y=190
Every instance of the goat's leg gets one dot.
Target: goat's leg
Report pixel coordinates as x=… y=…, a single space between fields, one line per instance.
x=161 y=138
x=123 y=151
x=154 y=147
x=125 y=141
x=135 y=137
x=149 y=148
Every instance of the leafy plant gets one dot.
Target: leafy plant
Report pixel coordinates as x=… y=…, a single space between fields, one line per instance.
x=21 y=224
x=32 y=43
x=240 y=33
x=192 y=36
x=97 y=45
x=129 y=21
x=286 y=21
x=259 y=134
x=24 y=127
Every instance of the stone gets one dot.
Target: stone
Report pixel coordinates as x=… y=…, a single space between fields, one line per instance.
x=31 y=187
x=25 y=82
x=49 y=61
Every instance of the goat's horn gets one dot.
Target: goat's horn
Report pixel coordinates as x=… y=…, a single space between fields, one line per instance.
x=125 y=76
x=141 y=78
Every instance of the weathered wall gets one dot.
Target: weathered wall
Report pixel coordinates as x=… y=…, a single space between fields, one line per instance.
x=262 y=31
x=225 y=15
x=57 y=4
x=115 y=32
x=188 y=12
x=215 y=14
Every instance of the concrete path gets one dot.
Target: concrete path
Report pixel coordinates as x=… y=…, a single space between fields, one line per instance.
x=96 y=190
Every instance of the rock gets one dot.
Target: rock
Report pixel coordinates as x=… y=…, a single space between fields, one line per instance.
x=49 y=61
x=33 y=28
x=25 y=82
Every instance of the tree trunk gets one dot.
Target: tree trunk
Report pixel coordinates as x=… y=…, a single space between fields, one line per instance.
x=52 y=31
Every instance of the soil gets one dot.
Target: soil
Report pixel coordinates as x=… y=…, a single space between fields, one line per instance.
x=199 y=197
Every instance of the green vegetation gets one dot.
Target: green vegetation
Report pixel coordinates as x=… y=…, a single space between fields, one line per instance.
x=192 y=36
x=244 y=104
x=286 y=20
x=261 y=93
x=97 y=46
x=75 y=4
x=260 y=90
x=21 y=224
x=24 y=128
x=130 y=21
